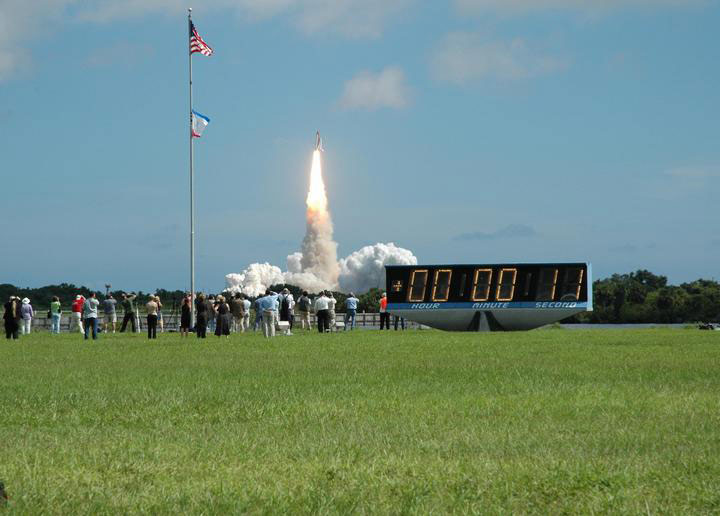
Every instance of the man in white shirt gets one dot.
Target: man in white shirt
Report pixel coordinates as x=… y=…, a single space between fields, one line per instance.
x=245 y=323
x=321 y=312
x=90 y=313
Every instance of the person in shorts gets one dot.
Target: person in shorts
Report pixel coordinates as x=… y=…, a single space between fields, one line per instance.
x=110 y=313
x=303 y=308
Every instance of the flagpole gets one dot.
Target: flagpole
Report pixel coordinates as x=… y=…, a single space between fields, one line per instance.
x=192 y=183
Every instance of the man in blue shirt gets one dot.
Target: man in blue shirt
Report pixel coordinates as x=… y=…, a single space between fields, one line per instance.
x=351 y=304
x=269 y=307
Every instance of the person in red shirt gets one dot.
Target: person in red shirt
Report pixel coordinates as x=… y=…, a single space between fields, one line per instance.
x=76 y=316
x=384 y=315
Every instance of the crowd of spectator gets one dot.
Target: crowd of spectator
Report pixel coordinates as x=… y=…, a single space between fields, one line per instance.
x=273 y=311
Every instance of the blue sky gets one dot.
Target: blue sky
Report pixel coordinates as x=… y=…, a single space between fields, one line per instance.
x=468 y=131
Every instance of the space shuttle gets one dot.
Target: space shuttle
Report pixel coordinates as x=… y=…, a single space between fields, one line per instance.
x=318 y=142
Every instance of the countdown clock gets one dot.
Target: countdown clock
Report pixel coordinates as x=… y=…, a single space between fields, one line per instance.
x=489 y=297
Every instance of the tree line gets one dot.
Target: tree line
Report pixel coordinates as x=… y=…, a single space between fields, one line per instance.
x=637 y=297
x=643 y=297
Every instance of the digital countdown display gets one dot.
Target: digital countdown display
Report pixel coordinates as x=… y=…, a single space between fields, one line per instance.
x=487 y=283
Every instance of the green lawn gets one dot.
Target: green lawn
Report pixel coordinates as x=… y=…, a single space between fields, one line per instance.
x=422 y=421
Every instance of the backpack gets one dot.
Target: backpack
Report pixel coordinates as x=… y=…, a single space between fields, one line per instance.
x=304 y=304
x=285 y=304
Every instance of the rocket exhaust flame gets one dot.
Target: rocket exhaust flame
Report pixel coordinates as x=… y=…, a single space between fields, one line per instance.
x=316 y=197
x=319 y=250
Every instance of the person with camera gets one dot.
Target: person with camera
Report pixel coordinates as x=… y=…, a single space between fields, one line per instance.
x=128 y=304
x=152 y=307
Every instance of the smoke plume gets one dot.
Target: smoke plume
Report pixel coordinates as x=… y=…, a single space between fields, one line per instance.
x=316 y=266
x=360 y=271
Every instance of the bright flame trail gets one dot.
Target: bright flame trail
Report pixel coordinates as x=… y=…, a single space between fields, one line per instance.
x=319 y=250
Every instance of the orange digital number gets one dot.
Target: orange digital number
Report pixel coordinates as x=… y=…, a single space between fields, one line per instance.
x=506 y=289
x=481 y=284
x=547 y=285
x=441 y=285
x=418 y=281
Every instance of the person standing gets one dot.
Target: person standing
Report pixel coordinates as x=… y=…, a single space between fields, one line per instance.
x=222 y=320
x=245 y=313
x=152 y=307
x=332 y=302
x=321 y=312
x=304 y=305
x=211 y=316
x=384 y=315
x=185 y=313
x=90 y=313
x=236 y=308
x=110 y=313
x=351 y=304
x=286 y=304
x=77 y=313
x=201 y=320
x=10 y=318
x=269 y=307
x=128 y=304
x=26 y=311
x=161 y=321
x=258 y=314
x=55 y=315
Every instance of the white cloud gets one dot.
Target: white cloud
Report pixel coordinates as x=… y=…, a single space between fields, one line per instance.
x=466 y=57
x=352 y=18
x=20 y=22
x=373 y=91
x=24 y=20
x=592 y=6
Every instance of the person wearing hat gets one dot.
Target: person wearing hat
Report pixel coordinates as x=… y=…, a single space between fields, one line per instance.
x=351 y=304
x=76 y=315
x=26 y=311
x=10 y=317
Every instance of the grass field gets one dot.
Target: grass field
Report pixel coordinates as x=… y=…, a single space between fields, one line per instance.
x=422 y=421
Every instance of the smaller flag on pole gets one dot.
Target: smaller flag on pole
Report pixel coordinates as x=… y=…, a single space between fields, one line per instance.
x=197 y=44
x=199 y=123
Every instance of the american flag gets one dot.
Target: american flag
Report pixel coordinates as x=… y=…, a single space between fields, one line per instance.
x=197 y=44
